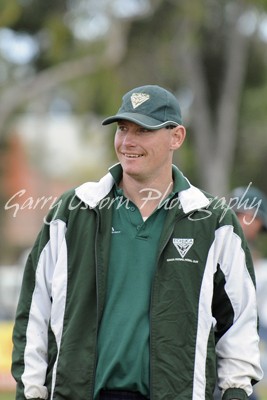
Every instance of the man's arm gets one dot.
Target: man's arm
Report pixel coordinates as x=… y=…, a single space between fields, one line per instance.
x=30 y=334
x=235 y=310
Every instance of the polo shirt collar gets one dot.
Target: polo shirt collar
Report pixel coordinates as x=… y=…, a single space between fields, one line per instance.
x=179 y=181
x=191 y=198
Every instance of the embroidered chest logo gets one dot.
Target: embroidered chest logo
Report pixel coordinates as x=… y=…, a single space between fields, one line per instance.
x=139 y=98
x=114 y=231
x=183 y=245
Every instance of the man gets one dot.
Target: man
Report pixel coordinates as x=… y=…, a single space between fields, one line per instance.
x=250 y=206
x=136 y=283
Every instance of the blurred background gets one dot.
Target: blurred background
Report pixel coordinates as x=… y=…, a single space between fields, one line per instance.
x=64 y=66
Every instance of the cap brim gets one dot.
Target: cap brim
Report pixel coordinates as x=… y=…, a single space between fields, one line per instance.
x=264 y=221
x=139 y=119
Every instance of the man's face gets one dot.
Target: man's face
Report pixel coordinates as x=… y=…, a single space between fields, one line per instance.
x=250 y=224
x=146 y=153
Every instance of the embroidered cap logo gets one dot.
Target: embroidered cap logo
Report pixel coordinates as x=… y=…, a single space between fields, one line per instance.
x=139 y=98
x=183 y=245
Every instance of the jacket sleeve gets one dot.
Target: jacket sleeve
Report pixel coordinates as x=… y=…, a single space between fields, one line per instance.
x=235 y=311
x=44 y=266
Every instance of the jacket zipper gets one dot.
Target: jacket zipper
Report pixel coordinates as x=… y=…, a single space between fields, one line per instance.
x=97 y=306
x=151 y=300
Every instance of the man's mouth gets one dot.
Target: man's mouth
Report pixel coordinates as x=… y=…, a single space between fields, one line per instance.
x=127 y=155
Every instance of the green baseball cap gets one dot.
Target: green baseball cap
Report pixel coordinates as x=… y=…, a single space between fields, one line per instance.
x=150 y=106
x=248 y=198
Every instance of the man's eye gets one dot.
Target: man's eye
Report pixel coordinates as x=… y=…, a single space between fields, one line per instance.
x=144 y=130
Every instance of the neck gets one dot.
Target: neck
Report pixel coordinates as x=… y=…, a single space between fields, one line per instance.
x=146 y=195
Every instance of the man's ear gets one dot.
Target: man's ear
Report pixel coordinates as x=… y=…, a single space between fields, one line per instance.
x=178 y=136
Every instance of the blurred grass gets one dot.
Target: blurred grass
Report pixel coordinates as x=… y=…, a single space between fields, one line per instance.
x=7 y=396
x=260 y=398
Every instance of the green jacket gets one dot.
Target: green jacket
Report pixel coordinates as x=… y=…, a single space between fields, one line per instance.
x=203 y=304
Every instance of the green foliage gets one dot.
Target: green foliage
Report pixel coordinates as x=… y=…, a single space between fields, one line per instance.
x=99 y=92
x=256 y=67
x=261 y=3
x=34 y=13
x=45 y=21
x=152 y=49
x=251 y=161
x=153 y=56
x=60 y=39
x=7 y=396
x=10 y=12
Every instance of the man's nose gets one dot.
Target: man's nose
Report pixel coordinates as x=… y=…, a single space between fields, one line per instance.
x=129 y=138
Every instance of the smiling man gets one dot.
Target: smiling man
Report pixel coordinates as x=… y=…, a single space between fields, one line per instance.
x=146 y=156
x=137 y=287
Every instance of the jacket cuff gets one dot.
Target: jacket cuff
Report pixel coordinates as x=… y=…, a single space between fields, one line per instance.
x=235 y=393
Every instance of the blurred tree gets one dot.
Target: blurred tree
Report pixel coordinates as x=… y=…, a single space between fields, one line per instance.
x=61 y=57
x=207 y=46
x=209 y=53
x=216 y=54
x=203 y=46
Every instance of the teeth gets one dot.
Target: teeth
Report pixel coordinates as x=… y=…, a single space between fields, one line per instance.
x=133 y=155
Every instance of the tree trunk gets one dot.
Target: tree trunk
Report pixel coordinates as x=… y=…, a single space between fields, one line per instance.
x=215 y=135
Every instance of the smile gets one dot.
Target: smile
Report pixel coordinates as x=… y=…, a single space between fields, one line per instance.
x=132 y=155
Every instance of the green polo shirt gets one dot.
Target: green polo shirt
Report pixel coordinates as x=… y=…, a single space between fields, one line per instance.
x=123 y=339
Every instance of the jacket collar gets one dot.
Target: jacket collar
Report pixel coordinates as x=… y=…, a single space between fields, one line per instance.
x=191 y=198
